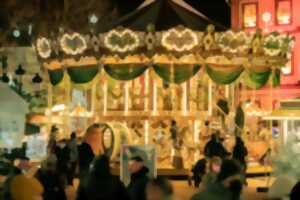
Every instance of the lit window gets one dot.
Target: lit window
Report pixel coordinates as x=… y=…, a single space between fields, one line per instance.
x=250 y=15
x=287 y=70
x=283 y=12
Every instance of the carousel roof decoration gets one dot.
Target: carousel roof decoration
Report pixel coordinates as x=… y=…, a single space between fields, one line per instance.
x=173 y=13
x=176 y=53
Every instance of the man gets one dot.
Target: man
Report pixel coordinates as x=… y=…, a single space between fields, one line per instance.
x=85 y=153
x=51 y=180
x=73 y=157
x=215 y=148
x=228 y=185
x=139 y=178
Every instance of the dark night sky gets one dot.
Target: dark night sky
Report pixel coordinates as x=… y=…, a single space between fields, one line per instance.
x=217 y=10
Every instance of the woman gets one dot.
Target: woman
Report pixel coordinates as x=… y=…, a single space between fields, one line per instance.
x=100 y=183
x=210 y=177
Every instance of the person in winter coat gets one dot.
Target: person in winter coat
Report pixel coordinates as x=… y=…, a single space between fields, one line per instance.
x=86 y=154
x=62 y=153
x=100 y=183
x=228 y=185
x=51 y=180
x=240 y=152
x=73 y=157
x=198 y=171
x=212 y=172
x=138 y=178
x=215 y=148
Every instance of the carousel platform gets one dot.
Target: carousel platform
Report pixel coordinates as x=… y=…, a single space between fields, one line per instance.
x=183 y=174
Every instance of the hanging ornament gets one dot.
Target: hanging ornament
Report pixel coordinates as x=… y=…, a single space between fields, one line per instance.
x=93 y=19
x=20 y=71
x=37 y=78
x=5 y=78
x=16 y=33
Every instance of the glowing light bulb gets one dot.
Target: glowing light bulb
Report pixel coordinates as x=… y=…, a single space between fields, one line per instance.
x=266 y=17
x=16 y=33
x=93 y=19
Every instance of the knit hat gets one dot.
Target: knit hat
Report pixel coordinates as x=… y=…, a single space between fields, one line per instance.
x=24 y=188
x=229 y=168
x=137 y=158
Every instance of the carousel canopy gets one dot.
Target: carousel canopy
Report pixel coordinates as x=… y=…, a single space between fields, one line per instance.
x=165 y=14
x=176 y=55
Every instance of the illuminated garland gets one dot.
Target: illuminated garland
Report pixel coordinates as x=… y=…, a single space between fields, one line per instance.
x=43 y=47
x=179 y=40
x=232 y=42
x=121 y=41
x=67 y=40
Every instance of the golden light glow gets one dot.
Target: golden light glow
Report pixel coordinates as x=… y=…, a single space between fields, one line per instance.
x=250 y=15
x=283 y=12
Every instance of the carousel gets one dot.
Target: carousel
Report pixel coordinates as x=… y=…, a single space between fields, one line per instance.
x=142 y=78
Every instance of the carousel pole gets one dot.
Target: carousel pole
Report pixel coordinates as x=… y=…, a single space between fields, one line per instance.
x=93 y=96
x=146 y=125
x=105 y=96
x=126 y=99
x=184 y=98
x=50 y=105
x=154 y=97
x=67 y=111
x=146 y=82
x=210 y=103
x=227 y=87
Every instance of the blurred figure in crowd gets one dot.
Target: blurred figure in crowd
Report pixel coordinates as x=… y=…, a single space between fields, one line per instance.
x=24 y=188
x=138 y=178
x=228 y=185
x=62 y=153
x=86 y=154
x=100 y=183
x=210 y=177
x=51 y=180
x=198 y=171
x=159 y=189
x=295 y=193
x=73 y=158
x=240 y=152
x=215 y=148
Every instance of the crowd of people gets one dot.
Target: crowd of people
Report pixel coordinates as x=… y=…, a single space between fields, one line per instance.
x=218 y=176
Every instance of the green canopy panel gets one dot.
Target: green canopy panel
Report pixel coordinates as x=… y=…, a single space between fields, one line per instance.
x=81 y=75
x=125 y=72
x=221 y=76
x=276 y=78
x=56 y=76
x=257 y=80
x=181 y=74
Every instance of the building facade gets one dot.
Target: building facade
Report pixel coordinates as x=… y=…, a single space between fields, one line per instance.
x=273 y=15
